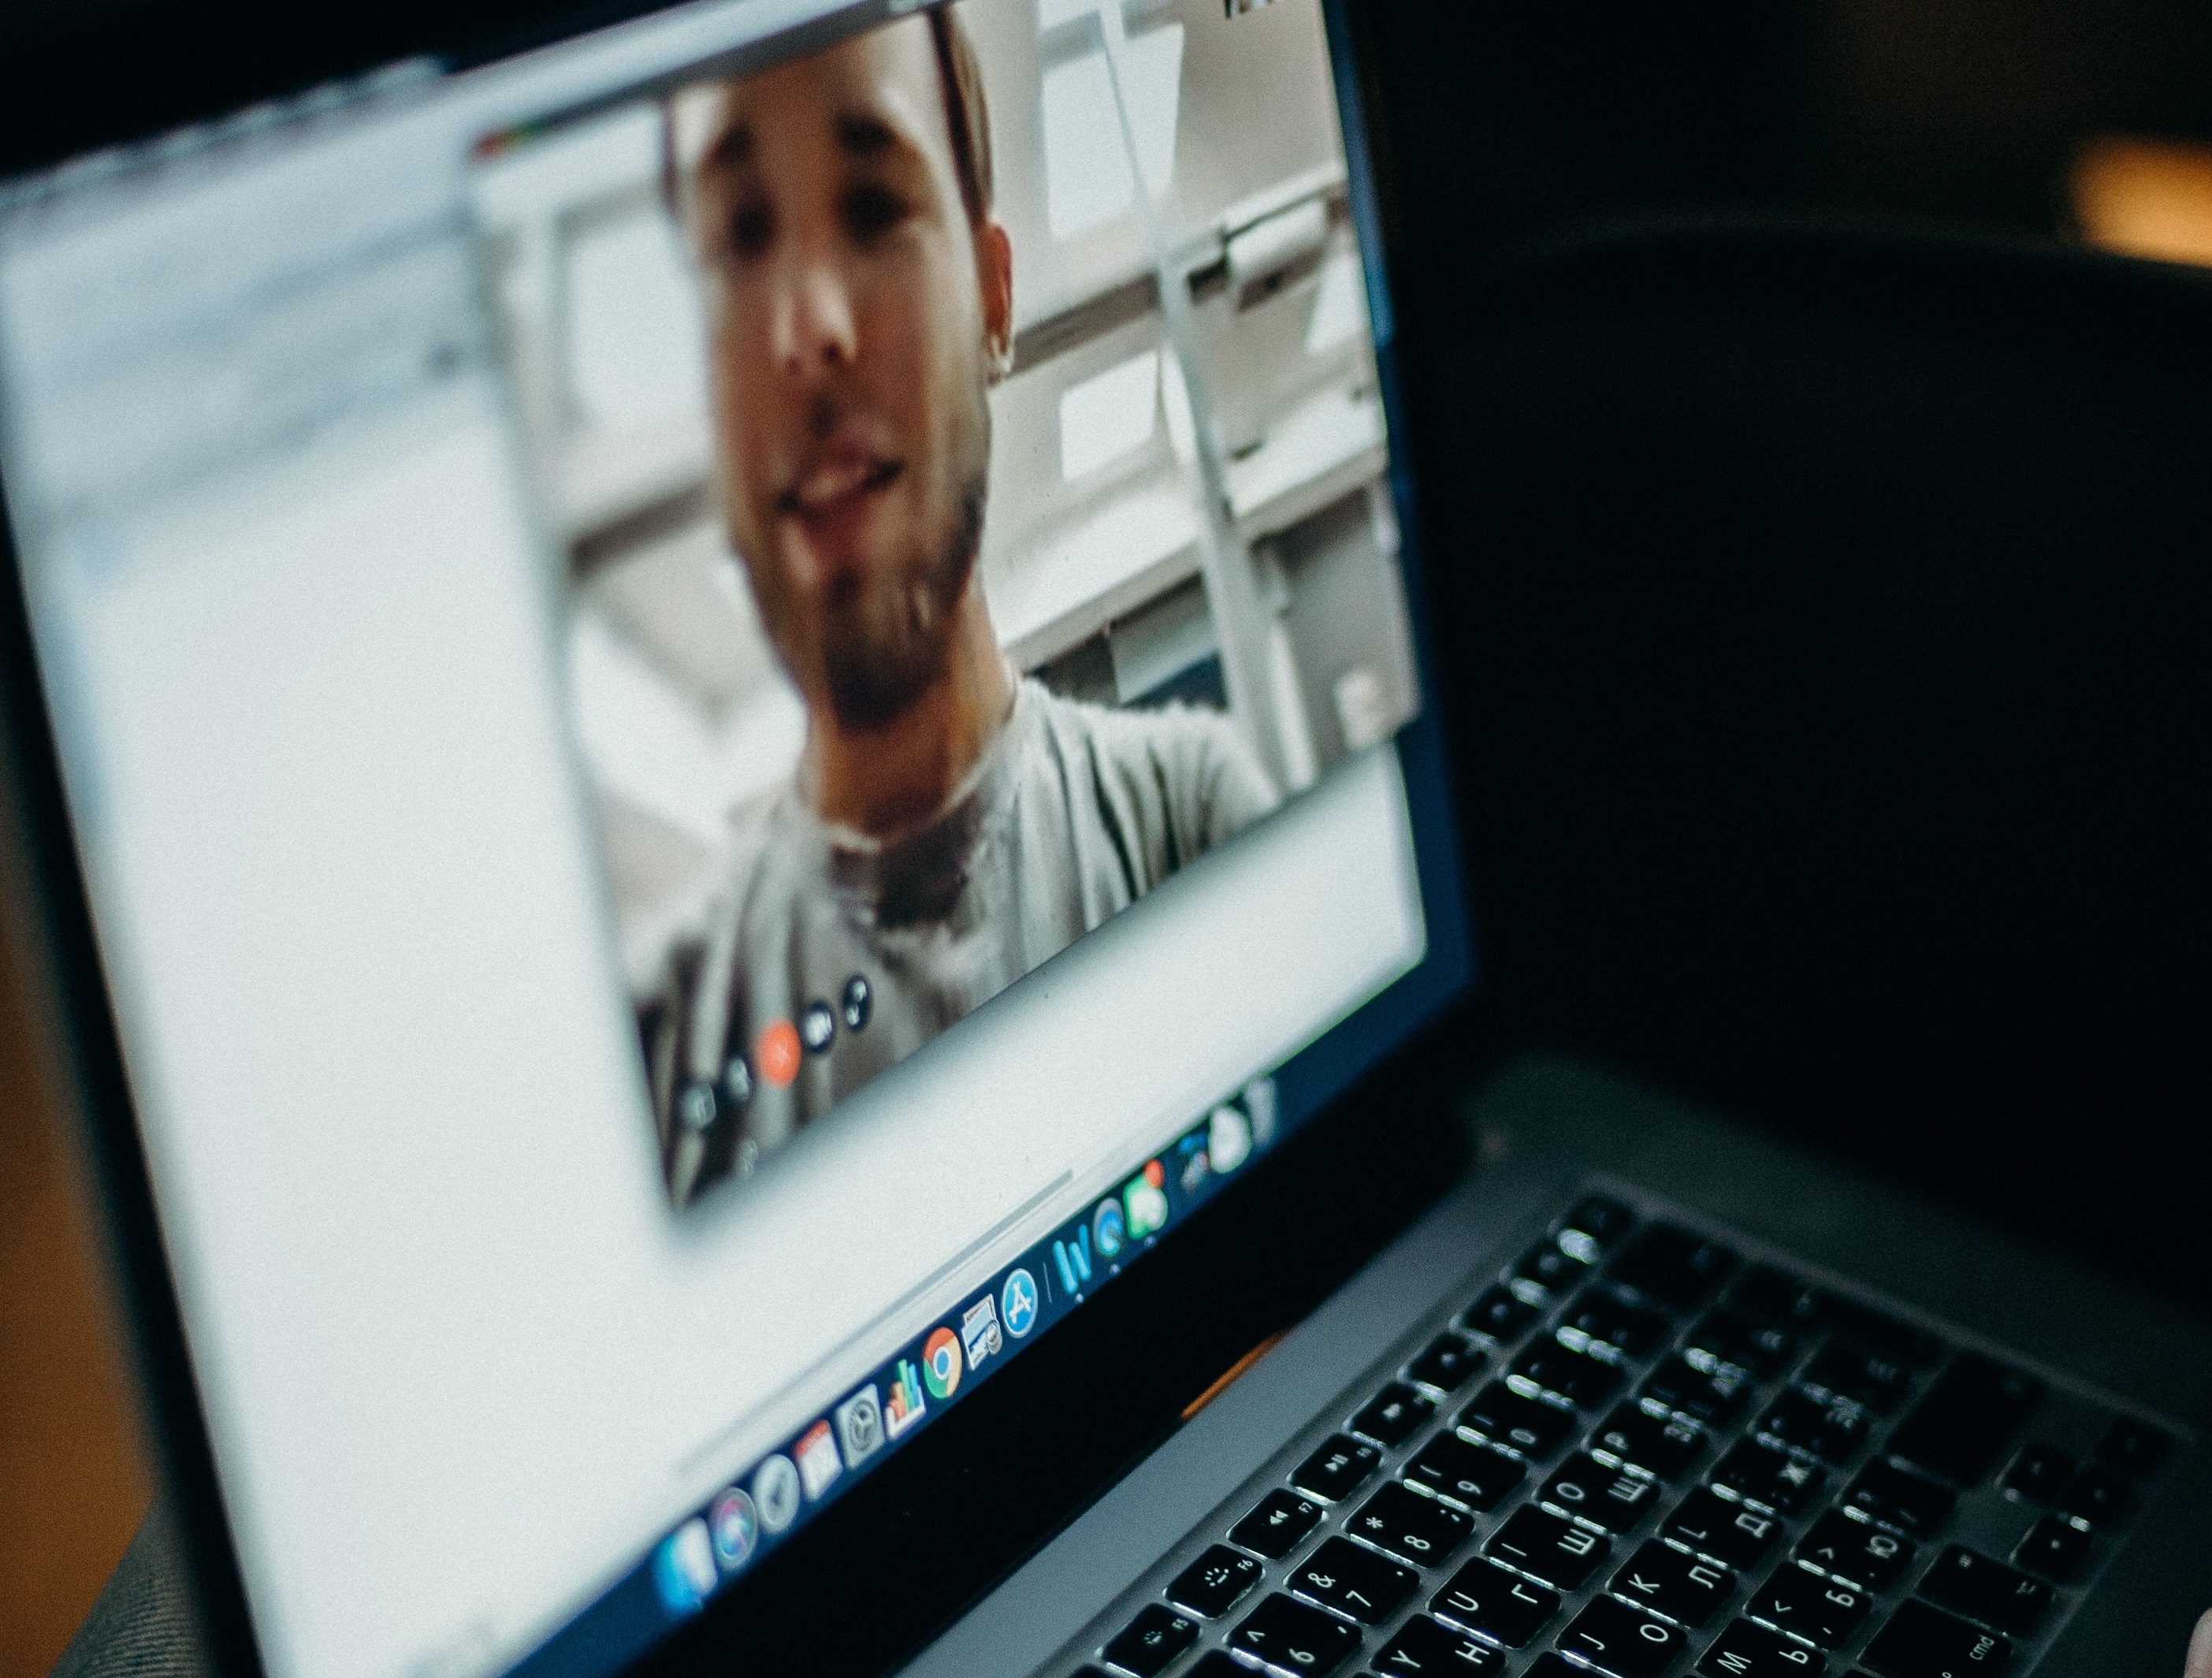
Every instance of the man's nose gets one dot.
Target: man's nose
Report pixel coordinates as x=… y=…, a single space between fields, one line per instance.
x=816 y=333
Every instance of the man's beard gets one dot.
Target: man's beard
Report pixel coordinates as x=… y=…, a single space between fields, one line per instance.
x=885 y=642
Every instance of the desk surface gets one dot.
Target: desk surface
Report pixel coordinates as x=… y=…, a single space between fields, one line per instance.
x=73 y=1475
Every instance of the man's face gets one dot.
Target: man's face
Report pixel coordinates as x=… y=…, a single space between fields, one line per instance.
x=853 y=311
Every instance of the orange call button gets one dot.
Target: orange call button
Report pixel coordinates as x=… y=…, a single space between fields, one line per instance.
x=776 y=1054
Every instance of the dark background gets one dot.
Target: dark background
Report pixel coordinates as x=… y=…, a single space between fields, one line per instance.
x=1517 y=114
x=1820 y=609
x=1510 y=120
x=1989 y=971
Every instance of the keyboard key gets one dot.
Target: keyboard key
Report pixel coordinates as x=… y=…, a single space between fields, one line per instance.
x=1613 y=1499
x=2097 y=1496
x=1673 y=1268
x=1731 y=1337
x=1728 y=1532
x=1771 y=1479
x=1215 y=1665
x=1405 y=1523
x=1664 y=1580
x=1831 y=1429
x=1962 y=1426
x=1664 y=1446
x=1823 y=1611
x=1746 y=1650
x=1856 y=1550
x=1358 y=1583
x=1576 y=1377
x=1484 y=1597
x=1499 y=1314
x=1296 y=1637
x=1885 y=1492
x=2038 y=1473
x=1611 y=1327
x=1216 y=1582
x=1552 y=1666
x=1448 y=1364
x=1422 y=1646
x=1615 y=1638
x=1987 y=1590
x=1549 y=1270
x=1394 y=1415
x=1274 y=1529
x=1921 y=1642
x=1596 y=1225
x=1872 y=1379
x=1506 y=1418
x=1474 y=1476
x=1915 y=1348
x=1776 y=1296
x=1711 y=1396
x=2055 y=1548
x=2133 y=1447
x=1154 y=1638
x=1333 y=1473
x=1546 y=1547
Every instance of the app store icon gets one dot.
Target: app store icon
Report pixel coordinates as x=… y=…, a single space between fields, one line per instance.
x=1017 y=1304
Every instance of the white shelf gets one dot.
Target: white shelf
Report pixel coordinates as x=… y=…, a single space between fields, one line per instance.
x=1102 y=568
x=1327 y=445
x=605 y=479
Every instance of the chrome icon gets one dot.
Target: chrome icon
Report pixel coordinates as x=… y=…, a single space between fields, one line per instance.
x=941 y=1364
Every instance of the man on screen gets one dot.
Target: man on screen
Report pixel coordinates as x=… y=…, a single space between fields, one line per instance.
x=950 y=824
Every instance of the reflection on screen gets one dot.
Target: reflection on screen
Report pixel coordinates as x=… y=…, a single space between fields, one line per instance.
x=968 y=515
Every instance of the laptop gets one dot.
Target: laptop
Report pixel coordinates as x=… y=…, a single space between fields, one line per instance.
x=730 y=735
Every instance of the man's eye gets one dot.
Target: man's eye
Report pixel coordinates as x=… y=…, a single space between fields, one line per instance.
x=870 y=211
x=751 y=228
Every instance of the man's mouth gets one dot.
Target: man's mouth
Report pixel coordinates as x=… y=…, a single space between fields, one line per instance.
x=834 y=483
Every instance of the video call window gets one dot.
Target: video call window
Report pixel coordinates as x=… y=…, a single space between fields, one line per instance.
x=962 y=458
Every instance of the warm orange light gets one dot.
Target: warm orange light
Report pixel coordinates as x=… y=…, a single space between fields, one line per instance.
x=777 y=1052
x=1229 y=1377
x=2145 y=197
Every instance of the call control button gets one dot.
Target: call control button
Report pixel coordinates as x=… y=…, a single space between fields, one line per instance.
x=858 y=1001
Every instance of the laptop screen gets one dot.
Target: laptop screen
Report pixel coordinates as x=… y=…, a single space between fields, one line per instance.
x=741 y=707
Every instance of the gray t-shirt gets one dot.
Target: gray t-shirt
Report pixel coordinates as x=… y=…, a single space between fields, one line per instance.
x=830 y=956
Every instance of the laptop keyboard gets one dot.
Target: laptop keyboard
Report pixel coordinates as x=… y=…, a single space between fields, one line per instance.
x=1645 y=1451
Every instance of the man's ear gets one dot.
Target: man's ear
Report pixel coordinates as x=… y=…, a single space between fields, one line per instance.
x=994 y=269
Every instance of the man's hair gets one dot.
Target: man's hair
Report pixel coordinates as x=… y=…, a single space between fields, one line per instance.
x=966 y=113
x=967 y=118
